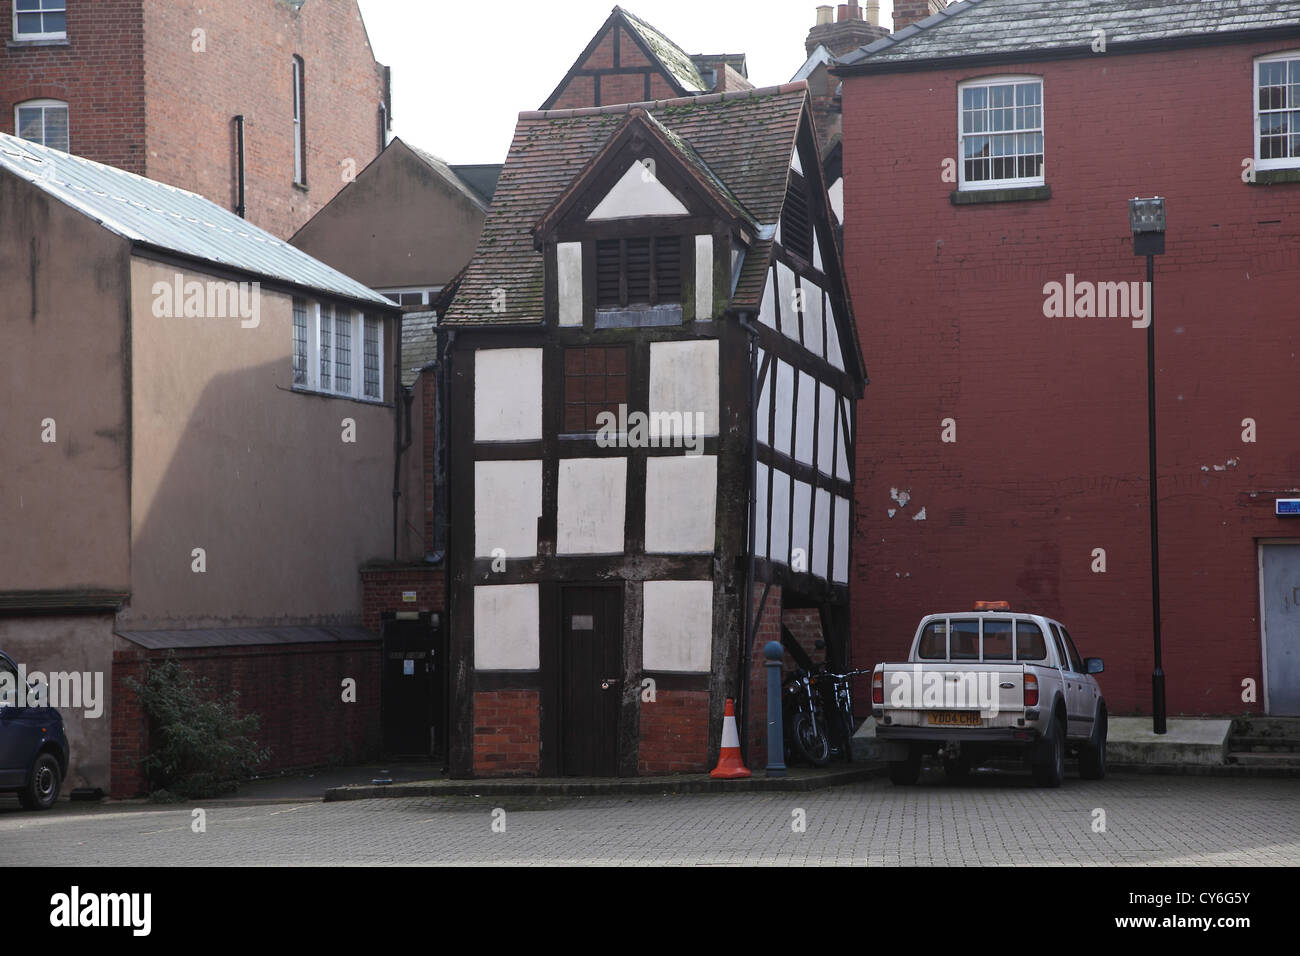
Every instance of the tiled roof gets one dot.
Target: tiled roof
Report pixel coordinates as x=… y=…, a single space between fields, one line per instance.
x=744 y=139
x=1025 y=27
x=419 y=343
x=172 y=220
x=674 y=59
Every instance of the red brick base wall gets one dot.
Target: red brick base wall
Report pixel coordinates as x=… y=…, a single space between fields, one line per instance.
x=296 y=689
x=507 y=733
x=382 y=588
x=769 y=629
x=674 y=733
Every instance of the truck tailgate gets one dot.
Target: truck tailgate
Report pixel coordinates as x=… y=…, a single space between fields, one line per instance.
x=947 y=694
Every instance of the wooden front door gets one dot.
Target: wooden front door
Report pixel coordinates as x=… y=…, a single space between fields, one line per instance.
x=591 y=680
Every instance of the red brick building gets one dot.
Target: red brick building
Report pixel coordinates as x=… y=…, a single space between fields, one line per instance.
x=164 y=89
x=990 y=153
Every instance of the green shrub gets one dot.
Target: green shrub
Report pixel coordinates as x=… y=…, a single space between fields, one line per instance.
x=201 y=745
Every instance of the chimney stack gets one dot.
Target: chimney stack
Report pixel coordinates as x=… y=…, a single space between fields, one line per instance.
x=907 y=12
x=847 y=32
x=873 y=12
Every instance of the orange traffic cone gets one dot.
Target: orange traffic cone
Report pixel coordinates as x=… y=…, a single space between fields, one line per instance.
x=730 y=765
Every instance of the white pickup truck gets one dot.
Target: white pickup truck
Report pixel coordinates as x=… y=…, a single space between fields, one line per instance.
x=990 y=683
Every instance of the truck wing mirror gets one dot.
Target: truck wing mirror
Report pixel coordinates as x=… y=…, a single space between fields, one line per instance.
x=1093 y=665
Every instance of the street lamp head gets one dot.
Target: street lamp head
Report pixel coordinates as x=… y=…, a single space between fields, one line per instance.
x=1147 y=219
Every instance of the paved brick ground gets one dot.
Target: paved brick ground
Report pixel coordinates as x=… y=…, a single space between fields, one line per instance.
x=994 y=819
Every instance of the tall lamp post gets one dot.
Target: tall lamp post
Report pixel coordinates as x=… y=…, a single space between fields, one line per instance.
x=1147 y=220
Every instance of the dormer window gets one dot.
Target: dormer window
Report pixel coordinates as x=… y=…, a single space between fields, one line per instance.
x=638 y=272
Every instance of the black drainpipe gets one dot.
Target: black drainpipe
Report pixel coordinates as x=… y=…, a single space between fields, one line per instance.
x=406 y=396
x=441 y=443
x=240 y=208
x=750 y=624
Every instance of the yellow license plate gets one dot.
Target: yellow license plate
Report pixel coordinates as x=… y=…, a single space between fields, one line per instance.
x=955 y=718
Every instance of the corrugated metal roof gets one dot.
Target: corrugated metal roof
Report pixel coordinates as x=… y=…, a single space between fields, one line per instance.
x=994 y=27
x=246 y=636
x=174 y=220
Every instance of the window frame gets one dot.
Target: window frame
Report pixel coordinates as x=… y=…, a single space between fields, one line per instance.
x=1285 y=162
x=323 y=319
x=43 y=104
x=20 y=37
x=1019 y=182
x=625 y=303
x=299 y=121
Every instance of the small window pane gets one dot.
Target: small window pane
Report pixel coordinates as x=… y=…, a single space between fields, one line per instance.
x=326 y=326
x=343 y=351
x=934 y=642
x=299 y=342
x=965 y=644
x=998 y=642
x=1030 y=643
x=372 y=358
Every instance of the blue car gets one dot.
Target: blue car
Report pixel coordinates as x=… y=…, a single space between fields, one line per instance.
x=33 y=747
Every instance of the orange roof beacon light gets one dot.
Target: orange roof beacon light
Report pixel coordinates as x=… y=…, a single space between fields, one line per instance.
x=993 y=605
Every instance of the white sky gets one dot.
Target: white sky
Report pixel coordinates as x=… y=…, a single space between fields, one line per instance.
x=462 y=72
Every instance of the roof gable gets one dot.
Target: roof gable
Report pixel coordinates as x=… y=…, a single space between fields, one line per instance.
x=170 y=220
x=743 y=140
x=1029 y=29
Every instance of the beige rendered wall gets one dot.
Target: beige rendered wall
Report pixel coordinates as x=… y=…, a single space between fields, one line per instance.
x=82 y=644
x=400 y=224
x=63 y=356
x=229 y=459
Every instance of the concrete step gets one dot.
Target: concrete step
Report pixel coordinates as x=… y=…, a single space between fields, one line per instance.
x=1262 y=743
x=1266 y=727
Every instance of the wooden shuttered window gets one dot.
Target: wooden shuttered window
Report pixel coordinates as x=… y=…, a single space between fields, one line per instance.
x=796 y=219
x=636 y=272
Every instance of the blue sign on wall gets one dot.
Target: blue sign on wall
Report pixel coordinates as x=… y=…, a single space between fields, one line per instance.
x=1286 y=506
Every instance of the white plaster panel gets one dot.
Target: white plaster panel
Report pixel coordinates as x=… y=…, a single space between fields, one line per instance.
x=807 y=412
x=817 y=253
x=568 y=260
x=703 y=278
x=801 y=526
x=760 y=510
x=764 y=404
x=834 y=351
x=845 y=443
x=680 y=499
x=506 y=624
x=812 y=317
x=826 y=429
x=836 y=193
x=591 y=506
x=507 y=504
x=638 y=194
x=821 y=533
x=684 y=379
x=841 y=573
x=779 y=540
x=794 y=162
x=767 y=309
x=677 y=633
x=507 y=394
x=785 y=302
x=784 y=405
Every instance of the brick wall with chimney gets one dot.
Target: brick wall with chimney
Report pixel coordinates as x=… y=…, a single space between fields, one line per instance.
x=907 y=12
x=844 y=30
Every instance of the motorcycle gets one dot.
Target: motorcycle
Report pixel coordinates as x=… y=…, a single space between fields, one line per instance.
x=805 y=720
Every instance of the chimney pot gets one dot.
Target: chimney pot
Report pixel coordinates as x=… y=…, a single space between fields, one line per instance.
x=873 y=12
x=824 y=14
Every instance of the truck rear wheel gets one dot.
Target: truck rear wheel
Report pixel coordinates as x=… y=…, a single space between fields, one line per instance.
x=904 y=773
x=1092 y=758
x=1049 y=769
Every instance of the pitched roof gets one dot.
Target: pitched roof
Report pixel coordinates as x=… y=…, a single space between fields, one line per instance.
x=447 y=172
x=419 y=343
x=676 y=61
x=480 y=177
x=172 y=220
x=742 y=139
x=1024 y=29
